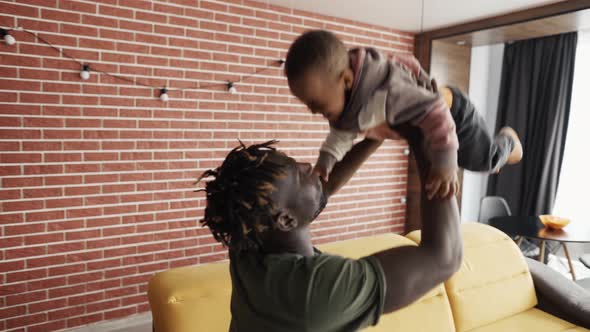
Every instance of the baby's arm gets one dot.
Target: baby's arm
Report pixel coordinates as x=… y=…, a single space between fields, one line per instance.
x=335 y=146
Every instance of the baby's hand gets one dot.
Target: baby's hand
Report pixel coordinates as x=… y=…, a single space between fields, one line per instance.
x=322 y=172
x=442 y=183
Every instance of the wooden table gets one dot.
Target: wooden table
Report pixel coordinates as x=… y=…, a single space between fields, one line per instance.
x=532 y=227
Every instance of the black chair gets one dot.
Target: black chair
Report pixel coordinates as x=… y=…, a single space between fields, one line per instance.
x=585 y=259
x=491 y=207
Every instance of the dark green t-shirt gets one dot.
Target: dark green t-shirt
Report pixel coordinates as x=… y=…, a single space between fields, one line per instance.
x=290 y=292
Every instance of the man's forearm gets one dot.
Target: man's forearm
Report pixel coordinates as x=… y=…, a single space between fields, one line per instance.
x=441 y=229
x=352 y=161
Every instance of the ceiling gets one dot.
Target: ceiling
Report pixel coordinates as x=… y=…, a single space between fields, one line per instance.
x=575 y=21
x=406 y=15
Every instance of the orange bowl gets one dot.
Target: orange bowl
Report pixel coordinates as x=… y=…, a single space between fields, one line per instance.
x=554 y=222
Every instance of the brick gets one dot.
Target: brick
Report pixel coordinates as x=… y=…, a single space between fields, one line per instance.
x=66 y=270
x=26 y=320
x=63 y=202
x=46 y=283
x=63 y=180
x=42 y=169
x=66 y=312
x=45 y=238
x=10 y=194
x=12 y=311
x=114 y=314
x=47 y=305
x=77 y=6
x=104 y=264
x=7 y=242
x=24 y=298
x=101 y=306
x=26 y=275
x=85 y=256
x=85 y=299
x=84 y=320
x=65 y=225
x=115 y=11
x=114 y=273
x=11 y=266
x=22 y=205
x=65 y=247
x=50 y=326
x=18 y=10
x=62 y=134
x=85 y=190
x=44 y=192
x=87 y=234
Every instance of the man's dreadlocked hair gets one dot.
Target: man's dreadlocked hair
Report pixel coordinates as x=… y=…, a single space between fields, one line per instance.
x=239 y=207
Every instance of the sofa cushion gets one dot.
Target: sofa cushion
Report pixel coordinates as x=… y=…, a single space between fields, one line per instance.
x=493 y=282
x=530 y=320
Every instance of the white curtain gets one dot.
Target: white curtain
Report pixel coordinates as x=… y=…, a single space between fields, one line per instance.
x=574 y=184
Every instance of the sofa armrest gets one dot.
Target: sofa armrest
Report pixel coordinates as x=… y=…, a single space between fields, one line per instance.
x=560 y=296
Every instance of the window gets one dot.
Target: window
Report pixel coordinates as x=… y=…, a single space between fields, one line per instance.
x=574 y=184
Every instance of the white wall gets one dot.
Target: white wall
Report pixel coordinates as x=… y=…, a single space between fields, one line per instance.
x=484 y=90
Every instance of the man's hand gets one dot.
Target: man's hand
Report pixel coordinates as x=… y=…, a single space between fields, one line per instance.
x=442 y=184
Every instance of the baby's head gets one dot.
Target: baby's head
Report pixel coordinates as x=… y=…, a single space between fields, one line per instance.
x=319 y=74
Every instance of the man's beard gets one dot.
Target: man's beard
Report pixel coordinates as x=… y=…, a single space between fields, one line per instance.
x=323 y=203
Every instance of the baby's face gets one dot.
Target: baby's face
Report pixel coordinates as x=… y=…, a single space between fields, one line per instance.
x=322 y=94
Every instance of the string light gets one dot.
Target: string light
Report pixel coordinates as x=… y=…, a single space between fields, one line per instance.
x=164 y=95
x=8 y=38
x=86 y=68
x=85 y=73
x=231 y=88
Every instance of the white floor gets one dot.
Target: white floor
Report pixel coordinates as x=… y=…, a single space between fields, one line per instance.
x=135 y=323
x=560 y=264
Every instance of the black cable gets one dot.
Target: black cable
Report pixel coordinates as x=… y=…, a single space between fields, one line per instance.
x=242 y=78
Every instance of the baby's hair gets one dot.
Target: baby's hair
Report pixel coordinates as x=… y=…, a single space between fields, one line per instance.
x=239 y=207
x=315 y=49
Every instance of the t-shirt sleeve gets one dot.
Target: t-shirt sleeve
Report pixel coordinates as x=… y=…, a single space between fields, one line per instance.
x=344 y=294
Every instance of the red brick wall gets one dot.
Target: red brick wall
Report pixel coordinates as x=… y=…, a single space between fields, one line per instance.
x=97 y=176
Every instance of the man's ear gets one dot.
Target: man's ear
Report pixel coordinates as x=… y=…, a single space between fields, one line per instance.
x=286 y=221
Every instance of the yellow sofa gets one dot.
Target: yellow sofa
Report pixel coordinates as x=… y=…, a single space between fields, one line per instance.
x=492 y=291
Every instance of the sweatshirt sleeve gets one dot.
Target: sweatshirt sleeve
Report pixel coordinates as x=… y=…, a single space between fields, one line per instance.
x=335 y=146
x=409 y=103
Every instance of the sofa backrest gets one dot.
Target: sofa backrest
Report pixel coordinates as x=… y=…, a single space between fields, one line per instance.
x=493 y=282
x=197 y=298
x=193 y=298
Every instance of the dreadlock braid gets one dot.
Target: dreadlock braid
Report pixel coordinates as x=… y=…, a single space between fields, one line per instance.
x=239 y=207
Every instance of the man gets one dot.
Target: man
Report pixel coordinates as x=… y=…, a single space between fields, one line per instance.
x=260 y=205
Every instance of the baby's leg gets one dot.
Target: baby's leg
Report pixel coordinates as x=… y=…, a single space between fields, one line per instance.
x=478 y=150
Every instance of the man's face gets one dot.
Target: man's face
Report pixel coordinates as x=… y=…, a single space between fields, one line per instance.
x=299 y=192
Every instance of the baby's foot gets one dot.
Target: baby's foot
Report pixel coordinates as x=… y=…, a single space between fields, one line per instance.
x=447 y=95
x=516 y=155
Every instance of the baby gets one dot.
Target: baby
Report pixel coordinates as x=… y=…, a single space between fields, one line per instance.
x=362 y=90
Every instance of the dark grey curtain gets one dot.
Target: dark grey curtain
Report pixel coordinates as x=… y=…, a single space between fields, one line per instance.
x=535 y=95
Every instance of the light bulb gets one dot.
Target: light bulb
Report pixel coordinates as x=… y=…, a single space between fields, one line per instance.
x=406 y=152
x=403 y=200
x=85 y=73
x=8 y=39
x=164 y=95
x=231 y=88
